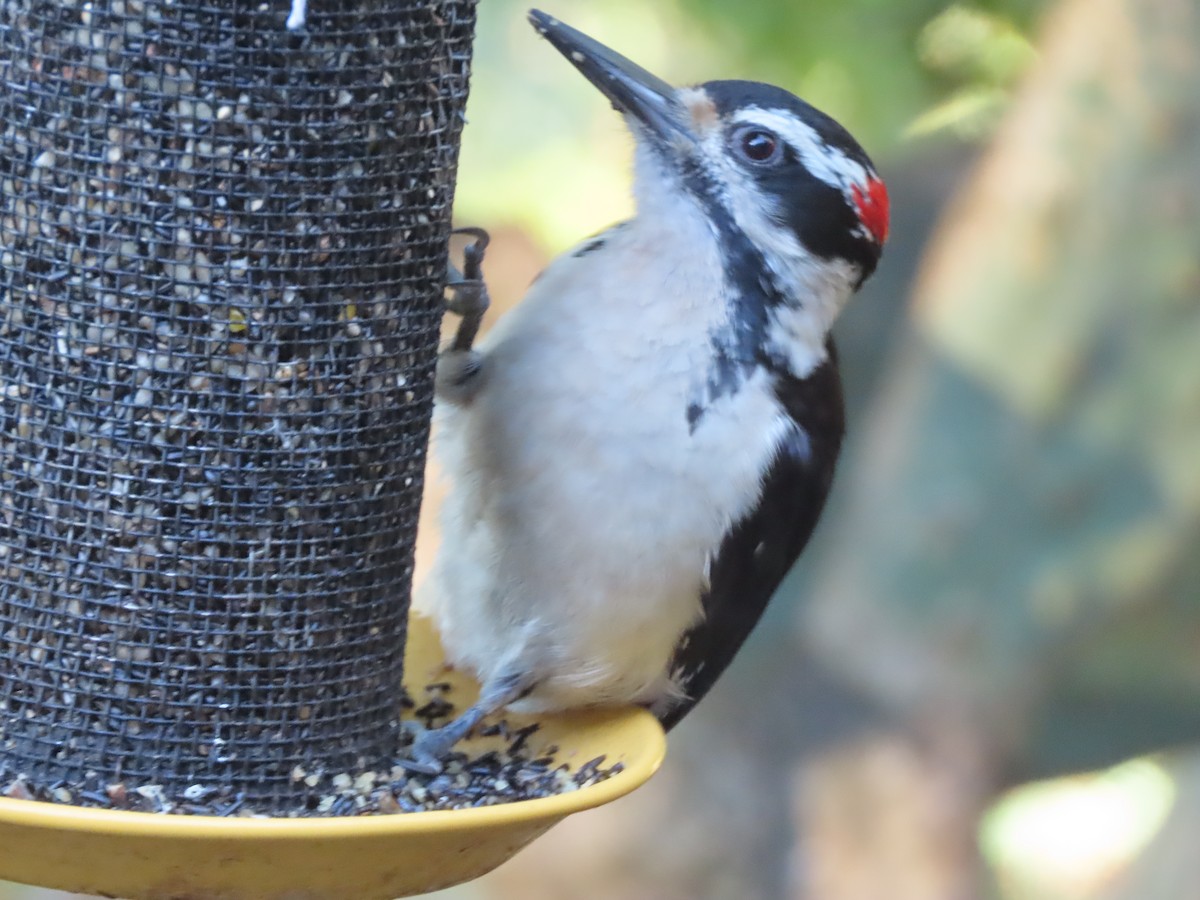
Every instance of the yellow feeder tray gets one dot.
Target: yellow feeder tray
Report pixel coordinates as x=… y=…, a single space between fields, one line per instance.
x=144 y=856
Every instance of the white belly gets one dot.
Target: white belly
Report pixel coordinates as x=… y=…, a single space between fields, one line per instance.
x=583 y=510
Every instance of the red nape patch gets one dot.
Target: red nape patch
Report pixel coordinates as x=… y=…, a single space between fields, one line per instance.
x=872 y=208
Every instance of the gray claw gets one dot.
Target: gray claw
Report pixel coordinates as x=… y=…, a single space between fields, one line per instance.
x=422 y=759
x=469 y=295
x=467 y=298
x=420 y=766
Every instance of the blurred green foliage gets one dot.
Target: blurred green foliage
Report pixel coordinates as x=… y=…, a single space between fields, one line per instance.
x=876 y=65
x=544 y=151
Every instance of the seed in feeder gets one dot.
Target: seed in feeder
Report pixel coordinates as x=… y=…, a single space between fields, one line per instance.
x=197 y=792
x=175 y=476
x=151 y=792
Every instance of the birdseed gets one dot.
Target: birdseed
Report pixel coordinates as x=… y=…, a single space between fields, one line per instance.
x=504 y=775
x=222 y=247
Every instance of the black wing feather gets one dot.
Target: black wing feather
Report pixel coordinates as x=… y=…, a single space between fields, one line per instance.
x=756 y=555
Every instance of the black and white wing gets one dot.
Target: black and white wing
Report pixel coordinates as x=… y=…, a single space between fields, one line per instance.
x=756 y=555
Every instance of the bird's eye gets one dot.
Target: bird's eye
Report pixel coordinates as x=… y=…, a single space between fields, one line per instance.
x=759 y=145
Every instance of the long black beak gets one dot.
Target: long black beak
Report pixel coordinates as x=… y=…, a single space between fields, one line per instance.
x=631 y=88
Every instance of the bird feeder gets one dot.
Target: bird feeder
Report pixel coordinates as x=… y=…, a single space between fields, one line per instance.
x=141 y=855
x=222 y=252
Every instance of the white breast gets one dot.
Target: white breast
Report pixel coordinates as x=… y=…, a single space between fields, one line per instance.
x=582 y=509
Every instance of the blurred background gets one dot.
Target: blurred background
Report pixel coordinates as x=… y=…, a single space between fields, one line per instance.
x=983 y=679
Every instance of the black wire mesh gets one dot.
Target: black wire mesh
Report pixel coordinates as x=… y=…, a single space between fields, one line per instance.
x=221 y=252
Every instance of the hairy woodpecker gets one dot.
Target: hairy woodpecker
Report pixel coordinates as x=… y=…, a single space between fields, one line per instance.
x=640 y=449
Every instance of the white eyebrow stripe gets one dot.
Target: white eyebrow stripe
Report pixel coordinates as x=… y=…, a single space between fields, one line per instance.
x=825 y=162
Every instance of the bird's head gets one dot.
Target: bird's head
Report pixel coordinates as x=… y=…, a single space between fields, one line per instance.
x=785 y=175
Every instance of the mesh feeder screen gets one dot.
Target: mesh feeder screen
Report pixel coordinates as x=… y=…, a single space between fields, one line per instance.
x=221 y=252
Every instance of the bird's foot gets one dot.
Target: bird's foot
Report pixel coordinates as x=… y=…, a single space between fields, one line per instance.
x=431 y=746
x=467 y=294
x=422 y=758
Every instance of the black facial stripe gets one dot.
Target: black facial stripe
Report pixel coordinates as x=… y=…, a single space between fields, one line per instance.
x=740 y=347
x=820 y=216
